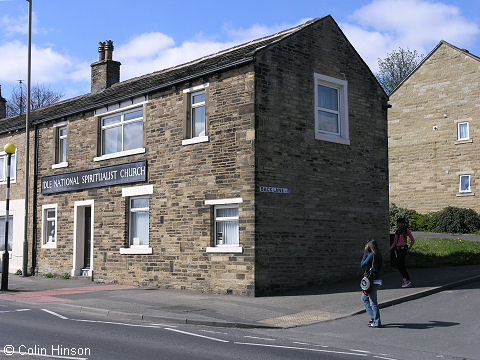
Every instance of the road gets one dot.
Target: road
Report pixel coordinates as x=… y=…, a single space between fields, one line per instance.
x=441 y=326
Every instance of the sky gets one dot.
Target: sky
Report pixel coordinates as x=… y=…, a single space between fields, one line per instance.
x=150 y=35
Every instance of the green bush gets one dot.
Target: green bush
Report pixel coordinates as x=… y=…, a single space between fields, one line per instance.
x=66 y=276
x=19 y=272
x=457 y=220
x=398 y=212
x=49 y=275
x=422 y=222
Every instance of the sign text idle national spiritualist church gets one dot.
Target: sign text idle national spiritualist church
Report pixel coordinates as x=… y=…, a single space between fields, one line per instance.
x=88 y=179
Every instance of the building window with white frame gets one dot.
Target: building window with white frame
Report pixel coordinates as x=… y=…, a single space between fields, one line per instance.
x=226 y=225
x=139 y=221
x=331 y=109
x=3 y=167
x=61 y=145
x=49 y=224
x=2 y=232
x=197 y=124
x=463 y=131
x=122 y=132
x=465 y=184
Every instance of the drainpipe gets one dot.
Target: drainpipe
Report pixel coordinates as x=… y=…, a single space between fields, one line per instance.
x=35 y=191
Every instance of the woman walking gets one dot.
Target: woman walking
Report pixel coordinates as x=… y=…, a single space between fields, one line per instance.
x=400 y=249
x=372 y=259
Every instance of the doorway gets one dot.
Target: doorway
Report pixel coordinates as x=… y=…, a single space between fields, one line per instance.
x=83 y=239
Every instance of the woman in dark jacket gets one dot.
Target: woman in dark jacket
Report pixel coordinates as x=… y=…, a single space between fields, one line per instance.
x=372 y=259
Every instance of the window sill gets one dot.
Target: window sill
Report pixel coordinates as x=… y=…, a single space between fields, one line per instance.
x=120 y=154
x=332 y=138
x=195 y=140
x=60 y=165
x=136 y=250
x=465 y=194
x=225 y=249
x=467 y=141
x=49 y=246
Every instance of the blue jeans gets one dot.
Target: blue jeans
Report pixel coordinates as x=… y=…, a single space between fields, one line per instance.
x=371 y=305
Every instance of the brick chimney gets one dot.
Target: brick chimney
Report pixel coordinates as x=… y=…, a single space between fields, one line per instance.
x=105 y=71
x=3 y=105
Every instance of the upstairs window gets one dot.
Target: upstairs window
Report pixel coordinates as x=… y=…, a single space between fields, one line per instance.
x=122 y=132
x=465 y=185
x=196 y=126
x=463 y=131
x=2 y=233
x=62 y=144
x=3 y=167
x=197 y=114
x=331 y=109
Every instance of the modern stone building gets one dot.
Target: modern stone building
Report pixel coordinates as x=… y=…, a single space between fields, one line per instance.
x=432 y=128
x=251 y=171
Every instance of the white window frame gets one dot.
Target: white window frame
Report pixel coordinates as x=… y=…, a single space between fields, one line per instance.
x=13 y=177
x=121 y=124
x=59 y=144
x=10 y=233
x=193 y=107
x=458 y=131
x=191 y=92
x=469 y=190
x=49 y=244
x=343 y=135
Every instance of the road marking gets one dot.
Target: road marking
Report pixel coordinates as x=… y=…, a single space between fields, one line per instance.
x=300 y=348
x=116 y=323
x=10 y=311
x=155 y=324
x=382 y=357
x=214 y=332
x=362 y=351
x=55 y=314
x=197 y=335
x=300 y=343
x=323 y=346
x=259 y=338
x=45 y=355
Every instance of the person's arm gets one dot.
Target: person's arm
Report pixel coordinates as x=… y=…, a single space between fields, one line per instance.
x=367 y=258
x=412 y=239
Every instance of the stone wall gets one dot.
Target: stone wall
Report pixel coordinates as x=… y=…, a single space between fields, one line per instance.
x=183 y=177
x=339 y=195
x=425 y=164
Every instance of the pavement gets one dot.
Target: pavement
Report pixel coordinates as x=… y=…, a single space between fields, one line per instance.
x=468 y=237
x=299 y=308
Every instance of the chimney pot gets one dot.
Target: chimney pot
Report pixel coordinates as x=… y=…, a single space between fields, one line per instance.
x=108 y=49
x=101 y=51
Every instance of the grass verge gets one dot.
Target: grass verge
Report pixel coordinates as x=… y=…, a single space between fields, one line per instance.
x=434 y=252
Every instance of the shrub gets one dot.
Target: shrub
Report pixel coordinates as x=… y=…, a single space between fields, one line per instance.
x=49 y=275
x=66 y=276
x=422 y=222
x=19 y=272
x=395 y=213
x=457 y=220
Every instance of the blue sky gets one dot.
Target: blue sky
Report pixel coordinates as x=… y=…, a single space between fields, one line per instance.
x=150 y=35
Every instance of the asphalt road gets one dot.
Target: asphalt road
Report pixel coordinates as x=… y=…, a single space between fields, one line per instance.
x=441 y=326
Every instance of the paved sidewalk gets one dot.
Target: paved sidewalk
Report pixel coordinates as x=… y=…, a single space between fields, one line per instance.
x=174 y=306
x=468 y=237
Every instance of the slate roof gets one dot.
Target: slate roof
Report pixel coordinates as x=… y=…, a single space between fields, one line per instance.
x=124 y=90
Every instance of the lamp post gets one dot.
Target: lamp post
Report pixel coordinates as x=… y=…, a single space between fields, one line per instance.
x=9 y=149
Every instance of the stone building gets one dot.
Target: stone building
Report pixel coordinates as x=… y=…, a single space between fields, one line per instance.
x=432 y=127
x=251 y=171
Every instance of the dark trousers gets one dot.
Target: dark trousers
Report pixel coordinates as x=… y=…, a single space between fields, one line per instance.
x=401 y=254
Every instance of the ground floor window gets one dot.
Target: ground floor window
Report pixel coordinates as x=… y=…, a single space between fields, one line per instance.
x=465 y=183
x=2 y=233
x=49 y=225
x=139 y=221
x=226 y=225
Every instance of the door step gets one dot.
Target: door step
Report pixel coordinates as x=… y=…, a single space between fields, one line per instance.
x=84 y=272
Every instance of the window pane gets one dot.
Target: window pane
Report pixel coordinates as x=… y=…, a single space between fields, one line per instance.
x=13 y=166
x=134 y=115
x=327 y=98
x=465 y=183
x=2 y=233
x=139 y=228
x=227 y=233
x=141 y=203
x=3 y=168
x=227 y=212
x=198 y=98
x=133 y=135
x=62 y=131
x=328 y=122
x=51 y=214
x=112 y=140
x=50 y=235
x=62 y=150
x=112 y=120
x=463 y=131
x=198 y=121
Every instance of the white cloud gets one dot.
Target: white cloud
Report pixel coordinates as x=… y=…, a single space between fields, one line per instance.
x=18 y=25
x=384 y=25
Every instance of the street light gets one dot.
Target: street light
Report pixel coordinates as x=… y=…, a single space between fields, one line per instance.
x=9 y=149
